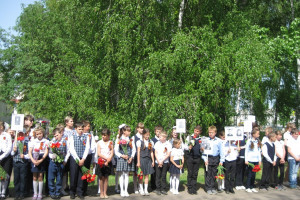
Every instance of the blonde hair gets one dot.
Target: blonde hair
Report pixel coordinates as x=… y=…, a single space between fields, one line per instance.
x=176 y=141
x=163 y=134
x=39 y=129
x=212 y=128
x=140 y=125
x=68 y=118
x=269 y=130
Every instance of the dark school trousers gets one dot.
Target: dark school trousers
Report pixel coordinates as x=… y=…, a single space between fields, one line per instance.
x=230 y=171
x=193 y=165
x=76 y=184
x=240 y=171
x=281 y=169
x=250 y=176
x=266 y=174
x=20 y=175
x=161 y=176
x=213 y=162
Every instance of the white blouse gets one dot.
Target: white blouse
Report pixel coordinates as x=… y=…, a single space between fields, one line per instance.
x=40 y=145
x=177 y=154
x=139 y=143
x=5 y=145
x=117 y=152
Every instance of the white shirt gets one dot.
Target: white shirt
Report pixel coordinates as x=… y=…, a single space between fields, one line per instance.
x=287 y=135
x=233 y=151
x=265 y=152
x=279 y=145
x=162 y=150
x=72 y=147
x=39 y=145
x=252 y=155
x=104 y=149
x=93 y=143
x=177 y=154
x=6 y=145
x=294 y=145
x=146 y=142
x=117 y=146
x=264 y=140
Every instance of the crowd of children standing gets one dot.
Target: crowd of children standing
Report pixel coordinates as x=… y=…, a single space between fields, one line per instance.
x=73 y=148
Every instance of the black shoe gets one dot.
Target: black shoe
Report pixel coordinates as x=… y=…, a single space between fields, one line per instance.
x=227 y=191
x=81 y=197
x=158 y=192
x=52 y=196
x=164 y=192
x=231 y=191
x=190 y=192
x=72 y=196
x=58 y=197
x=117 y=191
x=195 y=192
x=64 y=193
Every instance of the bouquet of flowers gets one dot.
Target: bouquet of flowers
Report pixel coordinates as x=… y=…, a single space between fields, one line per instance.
x=20 y=143
x=89 y=177
x=36 y=154
x=255 y=168
x=220 y=173
x=2 y=174
x=101 y=162
x=140 y=174
x=59 y=158
x=191 y=141
x=123 y=144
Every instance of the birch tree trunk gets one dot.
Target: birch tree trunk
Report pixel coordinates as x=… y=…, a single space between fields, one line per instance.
x=181 y=11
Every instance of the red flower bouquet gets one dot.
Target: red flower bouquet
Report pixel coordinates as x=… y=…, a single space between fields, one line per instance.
x=123 y=144
x=220 y=173
x=59 y=155
x=101 y=162
x=140 y=174
x=255 y=168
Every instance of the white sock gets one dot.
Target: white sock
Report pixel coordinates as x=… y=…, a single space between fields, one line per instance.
x=223 y=184
x=3 y=188
x=41 y=188
x=126 y=179
x=98 y=180
x=177 y=180
x=1 y=185
x=35 y=187
x=117 y=176
x=146 y=188
x=135 y=182
x=171 y=179
x=141 y=187
x=121 y=181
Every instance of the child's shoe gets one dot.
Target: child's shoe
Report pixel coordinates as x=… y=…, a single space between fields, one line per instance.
x=39 y=197
x=242 y=187
x=126 y=194
x=248 y=190
x=254 y=190
x=35 y=197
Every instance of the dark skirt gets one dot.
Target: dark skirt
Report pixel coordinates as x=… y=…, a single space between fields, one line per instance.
x=175 y=170
x=7 y=164
x=41 y=168
x=146 y=166
x=123 y=166
x=104 y=171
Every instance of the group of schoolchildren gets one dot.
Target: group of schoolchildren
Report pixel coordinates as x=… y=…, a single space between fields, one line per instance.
x=32 y=155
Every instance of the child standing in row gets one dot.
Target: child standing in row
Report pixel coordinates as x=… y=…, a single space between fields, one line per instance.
x=125 y=152
x=38 y=152
x=280 y=153
x=231 y=154
x=176 y=167
x=269 y=161
x=145 y=160
x=104 y=156
x=162 y=154
x=252 y=155
x=294 y=157
x=221 y=182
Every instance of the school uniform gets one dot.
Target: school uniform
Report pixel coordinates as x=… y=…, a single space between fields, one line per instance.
x=193 y=160
x=214 y=159
x=20 y=168
x=253 y=156
x=240 y=166
x=56 y=169
x=293 y=164
x=145 y=156
x=79 y=149
x=103 y=171
x=279 y=146
x=162 y=150
x=153 y=180
x=177 y=158
x=122 y=164
x=38 y=150
x=5 y=159
x=269 y=157
x=230 y=165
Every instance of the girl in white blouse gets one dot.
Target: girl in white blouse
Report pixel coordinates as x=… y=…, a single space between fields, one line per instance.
x=5 y=162
x=38 y=152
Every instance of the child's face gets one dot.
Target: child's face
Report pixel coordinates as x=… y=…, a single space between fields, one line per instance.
x=146 y=136
x=273 y=139
x=86 y=129
x=256 y=135
x=127 y=133
x=174 y=134
x=177 y=146
x=39 y=135
x=197 y=132
x=140 y=130
x=70 y=123
x=162 y=138
x=11 y=132
x=105 y=138
x=278 y=137
x=79 y=130
x=212 y=134
x=28 y=122
x=222 y=137
x=157 y=132
x=295 y=135
x=58 y=136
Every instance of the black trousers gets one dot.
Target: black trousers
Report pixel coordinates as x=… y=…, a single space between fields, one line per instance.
x=230 y=171
x=87 y=162
x=153 y=180
x=161 y=177
x=213 y=162
x=281 y=168
x=240 y=172
x=266 y=174
x=76 y=184
x=193 y=165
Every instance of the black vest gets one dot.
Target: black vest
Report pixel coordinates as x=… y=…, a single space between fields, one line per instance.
x=195 y=151
x=144 y=150
x=271 y=151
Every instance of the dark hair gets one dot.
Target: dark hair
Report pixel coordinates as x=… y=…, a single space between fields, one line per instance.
x=221 y=133
x=122 y=130
x=293 y=131
x=255 y=130
x=145 y=131
x=105 y=132
x=29 y=117
x=198 y=127
x=160 y=128
x=56 y=130
x=2 y=124
x=78 y=124
x=85 y=123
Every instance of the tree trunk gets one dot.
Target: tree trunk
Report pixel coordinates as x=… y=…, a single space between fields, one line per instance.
x=181 y=11
x=298 y=94
x=293 y=10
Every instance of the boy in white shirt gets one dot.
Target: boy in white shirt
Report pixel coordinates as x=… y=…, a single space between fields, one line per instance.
x=294 y=157
x=280 y=153
x=231 y=154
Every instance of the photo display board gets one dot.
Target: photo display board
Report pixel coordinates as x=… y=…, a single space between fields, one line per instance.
x=17 y=122
x=234 y=132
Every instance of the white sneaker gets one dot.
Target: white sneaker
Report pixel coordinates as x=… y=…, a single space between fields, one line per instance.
x=175 y=192
x=254 y=190
x=126 y=194
x=122 y=194
x=146 y=193
x=136 y=191
x=248 y=190
x=171 y=190
x=238 y=188
x=242 y=187
x=142 y=192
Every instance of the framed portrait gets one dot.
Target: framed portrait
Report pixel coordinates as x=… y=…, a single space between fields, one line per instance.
x=180 y=126
x=207 y=144
x=234 y=132
x=17 y=122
